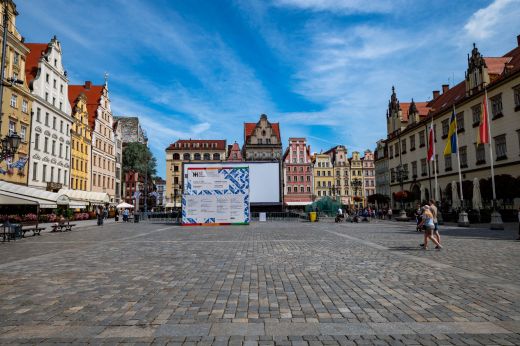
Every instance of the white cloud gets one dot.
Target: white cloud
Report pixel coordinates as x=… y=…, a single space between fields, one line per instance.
x=501 y=16
x=343 y=6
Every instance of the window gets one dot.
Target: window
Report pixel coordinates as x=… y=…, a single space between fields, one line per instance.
x=424 y=168
x=460 y=122
x=25 y=106
x=53 y=148
x=46 y=145
x=46 y=96
x=59 y=175
x=23 y=133
x=66 y=152
x=396 y=147
x=35 y=171
x=175 y=168
x=421 y=139
x=94 y=180
x=54 y=101
x=54 y=84
x=403 y=147
x=12 y=128
x=38 y=115
x=391 y=151
x=47 y=78
x=412 y=142
x=61 y=126
x=288 y=178
x=37 y=141
x=52 y=174
x=447 y=163
x=65 y=176
x=496 y=106
x=14 y=100
x=61 y=105
x=46 y=119
x=480 y=153
x=54 y=123
x=476 y=111
x=445 y=127
x=196 y=156
x=501 y=147
x=186 y=157
x=16 y=59
x=463 y=154
x=216 y=157
x=44 y=173
x=61 y=149
x=414 y=169
x=392 y=175
x=61 y=88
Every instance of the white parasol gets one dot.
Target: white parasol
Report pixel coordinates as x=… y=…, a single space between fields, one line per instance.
x=455 y=201
x=477 y=198
x=124 y=206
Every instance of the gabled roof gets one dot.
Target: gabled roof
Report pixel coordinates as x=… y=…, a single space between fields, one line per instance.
x=496 y=65
x=249 y=129
x=422 y=108
x=93 y=94
x=33 y=58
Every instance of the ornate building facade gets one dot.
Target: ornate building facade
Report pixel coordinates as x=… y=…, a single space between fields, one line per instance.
x=323 y=177
x=103 y=163
x=381 y=169
x=81 y=142
x=118 y=147
x=17 y=98
x=52 y=121
x=338 y=157
x=406 y=141
x=369 y=174
x=357 y=181
x=186 y=151
x=262 y=141
x=234 y=154
x=297 y=173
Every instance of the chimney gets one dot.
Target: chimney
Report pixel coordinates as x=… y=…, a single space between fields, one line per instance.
x=88 y=84
x=445 y=87
x=436 y=94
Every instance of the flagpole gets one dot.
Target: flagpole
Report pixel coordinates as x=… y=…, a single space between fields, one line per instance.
x=496 y=218
x=490 y=151
x=458 y=159
x=427 y=151
x=434 y=164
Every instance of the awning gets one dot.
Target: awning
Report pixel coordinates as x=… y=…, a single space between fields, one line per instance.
x=77 y=204
x=45 y=199
x=298 y=203
x=11 y=200
x=87 y=197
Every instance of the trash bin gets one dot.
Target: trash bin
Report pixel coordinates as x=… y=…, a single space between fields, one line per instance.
x=312 y=216
x=136 y=218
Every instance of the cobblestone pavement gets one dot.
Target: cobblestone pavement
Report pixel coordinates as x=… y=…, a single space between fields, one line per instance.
x=263 y=284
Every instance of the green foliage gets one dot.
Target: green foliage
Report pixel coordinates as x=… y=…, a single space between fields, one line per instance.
x=135 y=158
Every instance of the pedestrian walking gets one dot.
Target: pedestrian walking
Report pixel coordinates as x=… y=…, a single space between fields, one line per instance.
x=428 y=226
x=435 y=211
x=389 y=213
x=99 y=215
x=418 y=217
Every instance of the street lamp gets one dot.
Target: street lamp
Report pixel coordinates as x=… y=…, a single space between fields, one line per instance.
x=402 y=175
x=10 y=144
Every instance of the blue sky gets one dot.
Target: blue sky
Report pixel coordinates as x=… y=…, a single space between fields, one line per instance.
x=322 y=68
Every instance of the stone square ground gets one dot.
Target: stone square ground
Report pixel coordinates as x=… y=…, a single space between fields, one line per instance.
x=263 y=284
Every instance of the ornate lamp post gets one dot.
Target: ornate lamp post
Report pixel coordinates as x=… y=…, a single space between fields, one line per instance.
x=402 y=175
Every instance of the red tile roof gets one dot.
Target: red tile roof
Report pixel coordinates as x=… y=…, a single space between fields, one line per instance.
x=496 y=65
x=422 y=108
x=249 y=128
x=179 y=145
x=33 y=58
x=93 y=94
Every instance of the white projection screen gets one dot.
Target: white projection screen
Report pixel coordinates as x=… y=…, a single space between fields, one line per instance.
x=264 y=179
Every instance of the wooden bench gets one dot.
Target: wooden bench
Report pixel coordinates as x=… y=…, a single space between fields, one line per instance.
x=31 y=226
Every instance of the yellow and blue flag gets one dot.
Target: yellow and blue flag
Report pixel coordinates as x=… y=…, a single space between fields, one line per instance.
x=451 y=145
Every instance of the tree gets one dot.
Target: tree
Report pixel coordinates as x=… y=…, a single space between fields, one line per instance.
x=136 y=157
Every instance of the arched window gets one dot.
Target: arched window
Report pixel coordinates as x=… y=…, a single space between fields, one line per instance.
x=207 y=157
x=196 y=156
x=186 y=157
x=216 y=156
x=176 y=156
